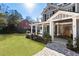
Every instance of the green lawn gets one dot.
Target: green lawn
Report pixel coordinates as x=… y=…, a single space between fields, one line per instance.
x=18 y=45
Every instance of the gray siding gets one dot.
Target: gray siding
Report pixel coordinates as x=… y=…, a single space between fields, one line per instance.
x=77 y=7
x=77 y=27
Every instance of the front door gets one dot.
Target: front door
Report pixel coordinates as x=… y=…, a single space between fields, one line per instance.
x=67 y=30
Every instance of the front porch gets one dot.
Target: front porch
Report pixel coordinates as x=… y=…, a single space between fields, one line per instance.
x=63 y=28
x=62 y=23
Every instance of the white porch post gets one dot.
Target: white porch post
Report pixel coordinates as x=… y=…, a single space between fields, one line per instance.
x=74 y=28
x=36 y=29
x=42 y=29
x=31 y=29
x=58 y=29
x=52 y=30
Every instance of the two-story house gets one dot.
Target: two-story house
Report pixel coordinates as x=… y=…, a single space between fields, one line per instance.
x=59 y=19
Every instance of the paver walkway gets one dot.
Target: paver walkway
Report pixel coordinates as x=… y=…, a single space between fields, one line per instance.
x=48 y=52
x=60 y=47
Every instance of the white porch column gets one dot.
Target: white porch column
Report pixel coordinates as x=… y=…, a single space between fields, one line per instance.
x=74 y=28
x=58 y=30
x=42 y=29
x=36 y=30
x=31 y=29
x=52 y=30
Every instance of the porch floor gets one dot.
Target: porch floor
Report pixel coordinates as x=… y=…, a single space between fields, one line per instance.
x=59 y=45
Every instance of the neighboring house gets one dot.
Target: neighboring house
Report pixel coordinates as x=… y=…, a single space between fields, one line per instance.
x=24 y=24
x=59 y=19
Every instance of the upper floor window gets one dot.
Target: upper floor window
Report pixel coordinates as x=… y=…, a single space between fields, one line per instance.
x=52 y=13
x=44 y=17
x=49 y=8
x=73 y=8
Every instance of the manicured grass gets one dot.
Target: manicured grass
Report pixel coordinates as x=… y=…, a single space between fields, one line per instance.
x=18 y=45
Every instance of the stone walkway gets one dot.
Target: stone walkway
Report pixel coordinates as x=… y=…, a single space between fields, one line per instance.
x=56 y=48
x=61 y=48
x=48 y=52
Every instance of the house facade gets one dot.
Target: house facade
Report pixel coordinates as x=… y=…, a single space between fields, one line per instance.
x=59 y=19
x=24 y=24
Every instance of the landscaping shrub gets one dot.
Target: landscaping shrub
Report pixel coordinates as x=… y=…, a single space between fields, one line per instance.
x=36 y=38
x=69 y=43
x=28 y=36
x=47 y=37
x=77 y=43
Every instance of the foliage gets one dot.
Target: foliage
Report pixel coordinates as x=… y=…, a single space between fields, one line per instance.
x=77 y=42
x=13 y=21
x=2 y=15
x=29 y=19
x=14 y=18
x=35 y=38
x=20 y=30
x=70 y=43
x=9 y=21
x=28 y=36
x=47 y=37
x=3 y=20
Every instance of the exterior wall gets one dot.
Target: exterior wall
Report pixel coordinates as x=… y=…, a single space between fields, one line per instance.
x=77 y=27
x=24 y=24
x=48 y=11
x=52 y=8
x=77 y=7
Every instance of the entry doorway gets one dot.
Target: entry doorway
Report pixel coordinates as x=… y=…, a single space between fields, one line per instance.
x=64 y=30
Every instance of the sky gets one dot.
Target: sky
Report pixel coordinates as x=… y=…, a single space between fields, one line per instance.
x=28 y=9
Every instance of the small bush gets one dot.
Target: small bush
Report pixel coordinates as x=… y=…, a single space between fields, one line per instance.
x=47 y=37
x=77 y=43
x=37 y=38
x=69 y=43
x=28 y=35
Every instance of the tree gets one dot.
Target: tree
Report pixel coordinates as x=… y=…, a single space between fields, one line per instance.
x=29 y=19
x=3 y=20
x=13 y=20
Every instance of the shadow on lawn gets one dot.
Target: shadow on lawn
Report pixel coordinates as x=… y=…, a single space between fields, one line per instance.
x=3 y=37
x=10 y=35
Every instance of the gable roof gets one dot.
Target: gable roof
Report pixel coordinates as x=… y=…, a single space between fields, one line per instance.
x=62 y=14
